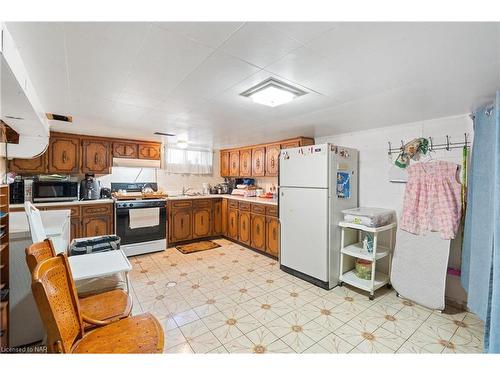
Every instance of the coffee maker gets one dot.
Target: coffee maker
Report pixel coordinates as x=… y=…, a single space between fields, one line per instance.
x=90 y=188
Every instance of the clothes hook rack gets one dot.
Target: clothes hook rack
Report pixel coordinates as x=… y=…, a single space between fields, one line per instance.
x=448 y=145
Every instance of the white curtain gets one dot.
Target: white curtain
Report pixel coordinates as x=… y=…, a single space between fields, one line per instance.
x=188 y=161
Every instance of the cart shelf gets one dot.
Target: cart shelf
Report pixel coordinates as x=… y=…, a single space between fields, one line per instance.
x=356 y=250
x=364 y=228
x=350 y=278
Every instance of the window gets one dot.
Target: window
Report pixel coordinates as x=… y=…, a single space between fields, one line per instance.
x=188 y=161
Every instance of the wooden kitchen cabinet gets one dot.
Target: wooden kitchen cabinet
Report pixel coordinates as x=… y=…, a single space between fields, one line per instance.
x=96 y=156
x=258 y=232
x=272 y=160
x=64 y=154
x=35 y=165
x=150 y=151
x=224 y=164
x=224 y=216
x=217 y=218
x=96 y=226
x=246 y=163
x=272 y=236
x=258 y=161
x=291 y=144
x=244 y=227
x=201 y=222
x=234 y=163
x=75 y=228
x=127 y=150
x=181 y=225
x=232 y=223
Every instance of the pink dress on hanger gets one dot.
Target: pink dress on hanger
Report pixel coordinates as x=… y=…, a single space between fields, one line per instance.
x=432 y=199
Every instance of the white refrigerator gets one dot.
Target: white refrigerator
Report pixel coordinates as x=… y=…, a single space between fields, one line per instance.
x=315 y=184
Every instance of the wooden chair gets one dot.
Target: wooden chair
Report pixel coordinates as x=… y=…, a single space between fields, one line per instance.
x=97 y=309
x=55 y=294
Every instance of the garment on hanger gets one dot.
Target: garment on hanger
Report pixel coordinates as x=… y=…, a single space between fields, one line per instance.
x=412 y=150
x=432 y=200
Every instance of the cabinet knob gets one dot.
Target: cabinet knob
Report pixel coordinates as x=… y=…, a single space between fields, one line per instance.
x=182 y=223
x=274 y=233
x=64 y=157
x=96 y=158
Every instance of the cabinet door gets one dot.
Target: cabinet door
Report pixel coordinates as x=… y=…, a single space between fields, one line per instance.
x=234 y=166
x=125 y=150
x=96 y=156
x=64 y=154
x=151 y=151
x=232 y=223
x=245 y=163
x=258 y=155
x=75 y=228
x=244 y=227
x=35 y=165
x=181 y=225
x=291 y=144
x=258 y=232
x=201 y=222
x=224 y=164
x=272 y=155
x=272 y=236
x=217 y=221
x=96 y=226
x=224 y=216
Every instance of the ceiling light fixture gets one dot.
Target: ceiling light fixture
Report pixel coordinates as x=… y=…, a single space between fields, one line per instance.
x=182 y=144
x=273 y=92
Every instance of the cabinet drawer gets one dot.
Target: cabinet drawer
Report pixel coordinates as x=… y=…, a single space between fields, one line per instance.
x=232 y=204
x=75 y=210
x=258 y=208
x=202 y=203
x=272 y=211
x=98 y=209
x=244 y=206
x=182 y=204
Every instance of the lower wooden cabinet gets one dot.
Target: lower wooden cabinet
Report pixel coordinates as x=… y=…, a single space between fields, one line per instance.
x=217 y=218
x=258 y=232
x=96 y=226
x=232 y=223
x=75 y=228
x=201 y=222
x=181 y=225
x=272 y=236
x=244 y=227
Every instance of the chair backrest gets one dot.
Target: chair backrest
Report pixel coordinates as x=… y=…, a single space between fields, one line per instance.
x=38 y=252
x=37 y=230
x=55 y=294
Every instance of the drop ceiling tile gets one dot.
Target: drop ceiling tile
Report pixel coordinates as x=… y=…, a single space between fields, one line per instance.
x=259 y=44
x=212 y=34
x=303 y=31
x=216 y=74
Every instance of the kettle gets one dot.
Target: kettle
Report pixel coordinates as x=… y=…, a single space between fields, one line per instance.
x=90 y=188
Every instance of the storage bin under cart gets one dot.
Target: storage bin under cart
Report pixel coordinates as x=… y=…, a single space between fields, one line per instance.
x=356 y=250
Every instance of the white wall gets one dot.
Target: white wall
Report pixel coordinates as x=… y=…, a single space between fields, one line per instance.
x=376 y=190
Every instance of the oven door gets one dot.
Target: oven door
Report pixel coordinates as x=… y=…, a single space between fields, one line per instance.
x=55 y=191
x=135 y=234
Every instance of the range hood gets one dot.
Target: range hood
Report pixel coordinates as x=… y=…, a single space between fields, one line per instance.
x=20 y=107
x=136 y=163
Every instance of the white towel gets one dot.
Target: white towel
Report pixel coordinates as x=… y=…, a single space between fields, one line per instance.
x=144 y=217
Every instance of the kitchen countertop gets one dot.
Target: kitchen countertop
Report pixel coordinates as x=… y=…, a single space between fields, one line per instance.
x=271 y=202
x=70 y=203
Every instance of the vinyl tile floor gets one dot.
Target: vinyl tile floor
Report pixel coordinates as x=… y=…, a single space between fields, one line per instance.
x=234 y=300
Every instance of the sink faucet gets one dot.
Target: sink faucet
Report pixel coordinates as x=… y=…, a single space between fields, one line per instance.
x=185 y=190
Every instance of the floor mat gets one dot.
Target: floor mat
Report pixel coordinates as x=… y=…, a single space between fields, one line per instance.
x=197 y=246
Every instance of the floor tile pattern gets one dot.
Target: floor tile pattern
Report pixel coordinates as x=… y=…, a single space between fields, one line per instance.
x=234 y=300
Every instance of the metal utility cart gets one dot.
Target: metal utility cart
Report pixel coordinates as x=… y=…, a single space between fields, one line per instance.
x=355 y=250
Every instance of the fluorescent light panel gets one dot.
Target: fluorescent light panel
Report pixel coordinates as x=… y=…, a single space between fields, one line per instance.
x=273 y=92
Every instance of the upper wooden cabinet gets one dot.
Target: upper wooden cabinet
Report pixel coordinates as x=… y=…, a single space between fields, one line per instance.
x=234 y=163
x=257 y=161
x=224 y=164
x=246 y=163
x=150 y=151
x=36 y=165
x=96 y=156
x=272 y=159
x=64 y=154
x=125 y=150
